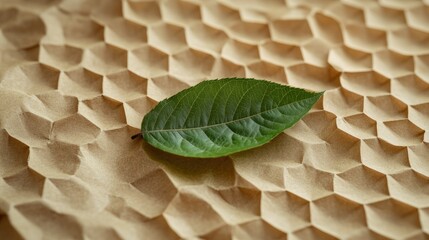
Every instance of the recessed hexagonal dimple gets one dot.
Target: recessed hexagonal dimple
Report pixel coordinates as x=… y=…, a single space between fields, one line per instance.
x=280 y=145
x=409 y=41
x=223 y=232
x=411 y=89
x=161 y=36
x=424 y=216
x=181 y=12
x=418 y=18
x=224 y=68
x=148 y=62
x=239 y=52
x=366 y=83
x=219 y=15
x=29 y=128
x=363 y=38
x=418 y=158
x=267 y=71
x=61 y=57
x=191 y=63
x=419 y=115
x=327 y=28
x=318 y=126
x=410 y=187
x=392 y=218
x=32 y=78
x=422 y=67
x=143 y=12
x=281 y=54
x=384 y=18
x=359 y=125
x=125 y=34
x=312 y=77
x=291 y=31
x=81 y=83
x=400 y=4
x=315 y=52
x=310 y=233
x=52 y=105
x=29 y=182
x=82 y=8
x=58 y=159
x=340 y=152
x=81 y=31
x=204 y=37
x=308 y=182
x=400 y=132
x=342 y=102
x=14 y=154
x=136 y=109
x=104 y=59
x=350 y=60
x=347 y=219
x=124 y=86
x=185 y=221
x=54 y=223
x=385 y=108
x=257 y=229
x=392 y=64
x=254 y=15
x=162 y=194
x=104 y=112
x=244 y=203
x=75 y=129
x=105 y=11
x=157 y=87
x=362 y=184
x=20 y=29
x=8 y=15
x=285 y=210
x=383 y=156
x=252 y=33
x=346 y=13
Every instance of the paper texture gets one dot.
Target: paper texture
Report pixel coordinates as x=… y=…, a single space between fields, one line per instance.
x=77 y=77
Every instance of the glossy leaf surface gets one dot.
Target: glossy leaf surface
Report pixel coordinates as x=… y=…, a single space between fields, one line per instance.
x=219 y=117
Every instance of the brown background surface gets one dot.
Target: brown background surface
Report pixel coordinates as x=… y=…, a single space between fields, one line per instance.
x=77 y=77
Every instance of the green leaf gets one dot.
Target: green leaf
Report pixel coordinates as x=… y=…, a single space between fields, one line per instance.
x=220 y=117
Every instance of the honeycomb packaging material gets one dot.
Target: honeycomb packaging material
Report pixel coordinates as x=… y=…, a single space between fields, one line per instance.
x=77 y=77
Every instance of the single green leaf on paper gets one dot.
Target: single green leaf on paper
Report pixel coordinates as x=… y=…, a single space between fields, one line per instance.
x=219 y=117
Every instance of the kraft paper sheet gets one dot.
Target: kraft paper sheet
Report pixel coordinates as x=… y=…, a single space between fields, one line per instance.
x=77 y=77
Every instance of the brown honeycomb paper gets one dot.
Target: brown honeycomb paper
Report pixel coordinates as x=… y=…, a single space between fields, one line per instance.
x=77 y=77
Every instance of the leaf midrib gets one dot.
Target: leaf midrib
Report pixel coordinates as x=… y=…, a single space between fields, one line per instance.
x=224 y=123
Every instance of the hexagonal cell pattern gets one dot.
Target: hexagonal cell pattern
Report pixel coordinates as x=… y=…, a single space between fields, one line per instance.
x=77 y=77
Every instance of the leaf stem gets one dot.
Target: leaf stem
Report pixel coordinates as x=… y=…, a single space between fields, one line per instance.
x=138 y=135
